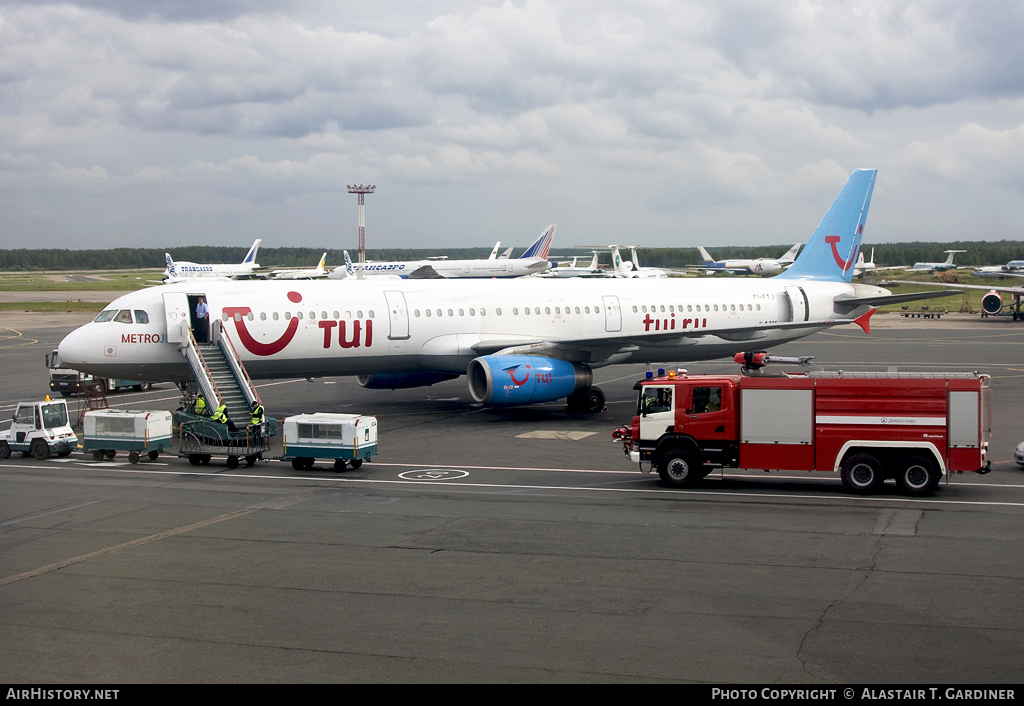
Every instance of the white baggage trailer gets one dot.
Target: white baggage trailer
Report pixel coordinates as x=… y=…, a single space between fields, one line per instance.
x=347 y=438
x=107 y=431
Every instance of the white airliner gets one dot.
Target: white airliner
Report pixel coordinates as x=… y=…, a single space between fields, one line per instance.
x=183 y=271
x=1013 y=268
x=764 y=267
x=532 y=261
x=936 y=266
x=308 y=273
x=519 y=341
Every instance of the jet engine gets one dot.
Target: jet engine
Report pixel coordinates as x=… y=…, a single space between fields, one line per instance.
x=401 y=381
x=992 y=303
x=499 y=380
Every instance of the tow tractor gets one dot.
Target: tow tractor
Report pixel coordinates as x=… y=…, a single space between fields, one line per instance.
x=869 y=426
x=40 y=429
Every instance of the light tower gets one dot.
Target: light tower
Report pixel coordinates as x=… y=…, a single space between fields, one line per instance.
x=361 y=191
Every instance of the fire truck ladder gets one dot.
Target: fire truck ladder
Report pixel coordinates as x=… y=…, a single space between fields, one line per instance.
x=220 y=374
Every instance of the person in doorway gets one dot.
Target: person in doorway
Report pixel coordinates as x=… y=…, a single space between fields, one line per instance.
x=202 y=329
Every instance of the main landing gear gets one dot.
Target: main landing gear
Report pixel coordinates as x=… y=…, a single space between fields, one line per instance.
x=589 y=400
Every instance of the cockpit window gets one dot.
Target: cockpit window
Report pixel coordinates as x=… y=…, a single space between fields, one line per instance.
x=141 y=317
x=105 y=316
x=124 y=316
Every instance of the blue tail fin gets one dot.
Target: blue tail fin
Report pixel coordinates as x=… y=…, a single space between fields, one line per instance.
x=250 y=257
x=541 y=245
x=832 y=250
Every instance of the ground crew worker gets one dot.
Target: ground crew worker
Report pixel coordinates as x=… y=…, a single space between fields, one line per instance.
x=200 y=409
x=221 y=416
x=256 y=420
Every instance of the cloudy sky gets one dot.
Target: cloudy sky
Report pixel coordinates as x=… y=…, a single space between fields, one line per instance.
x=157 y=123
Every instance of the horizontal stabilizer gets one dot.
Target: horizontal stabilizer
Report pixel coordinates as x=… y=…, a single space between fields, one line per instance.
x=844 y=305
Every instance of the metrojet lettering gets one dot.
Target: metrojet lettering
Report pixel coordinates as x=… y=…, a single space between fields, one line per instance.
x=141 y=338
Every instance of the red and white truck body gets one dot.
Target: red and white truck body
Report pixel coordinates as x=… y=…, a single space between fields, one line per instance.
x=914 y=427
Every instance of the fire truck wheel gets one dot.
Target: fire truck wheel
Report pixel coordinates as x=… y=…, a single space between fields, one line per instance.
x=677 y=469
x=918 y=476
x=5 y=450
x=862 y=474
x=40 y=451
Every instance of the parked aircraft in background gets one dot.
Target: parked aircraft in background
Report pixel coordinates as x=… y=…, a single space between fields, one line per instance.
x=863 y=266
x=936 y=266
x=309 y=273
x=632 y=269
x=181 y=271
x=532 y=261
x=519 y=341
x=1013 y=268
x=563 y=271
x=764 y=267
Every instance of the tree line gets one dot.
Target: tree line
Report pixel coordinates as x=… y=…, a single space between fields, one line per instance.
x=978 y=253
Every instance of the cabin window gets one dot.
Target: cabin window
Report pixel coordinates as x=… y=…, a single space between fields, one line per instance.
x=275 y=316
x=440 y=313
x=298 y=315
x=759 y=307
x=578 y=309
x=141 y=317
x=263 y=316
x=427 y=312
x=105 y=316
x=123 y=317
x=483 y=312
x=586 y=309
x=451 y=313
x=643 y=308
x=287 y=316
x=526 y=310
x=359 y=314
x=462 y=312
x=249 y=316
x=597 y=310
x=634 y=309
x=547 y=310
x=370 y=313
x=472 y=312
x=323 y=314
x=662 y=307
x=536 y=310
x=416 y=313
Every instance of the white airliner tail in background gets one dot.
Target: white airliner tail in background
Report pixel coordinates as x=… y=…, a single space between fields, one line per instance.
x=181 y=271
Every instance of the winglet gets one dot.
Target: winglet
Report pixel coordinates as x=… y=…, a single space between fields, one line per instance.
x=864 y=320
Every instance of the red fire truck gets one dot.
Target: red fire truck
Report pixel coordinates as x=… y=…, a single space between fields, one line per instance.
x=914 y=427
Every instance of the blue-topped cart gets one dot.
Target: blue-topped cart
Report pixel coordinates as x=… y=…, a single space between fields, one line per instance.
x=349 y=439
x=107 y=431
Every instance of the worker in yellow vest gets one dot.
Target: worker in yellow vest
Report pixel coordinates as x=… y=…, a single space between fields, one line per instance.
x=221 y=417
x=200 y=409
x=256 y=421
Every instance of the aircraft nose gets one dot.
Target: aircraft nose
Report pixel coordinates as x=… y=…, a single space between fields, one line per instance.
x=74 y=348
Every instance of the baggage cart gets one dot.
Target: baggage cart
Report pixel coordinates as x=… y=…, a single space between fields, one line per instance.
x=107 y=431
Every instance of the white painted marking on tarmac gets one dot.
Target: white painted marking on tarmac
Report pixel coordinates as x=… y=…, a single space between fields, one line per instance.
x=557 y=435
x=433 y=474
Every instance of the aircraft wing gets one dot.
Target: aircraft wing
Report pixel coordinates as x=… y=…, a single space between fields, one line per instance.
x=425 y=272
x=982 y=287
x=602 y=349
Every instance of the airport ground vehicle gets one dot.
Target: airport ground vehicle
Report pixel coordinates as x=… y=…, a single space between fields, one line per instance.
x=202 y=438
x=1018 y=454
x=68 y=381
x=107 y=431
x=347 y=438
x=39 y=428
x=914 y=427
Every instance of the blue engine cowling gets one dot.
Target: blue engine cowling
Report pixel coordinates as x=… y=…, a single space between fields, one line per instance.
x=498 y=380
x=401 y=381
x=992 y=303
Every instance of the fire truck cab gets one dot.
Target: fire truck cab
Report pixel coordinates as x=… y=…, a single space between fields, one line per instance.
x=913 y=427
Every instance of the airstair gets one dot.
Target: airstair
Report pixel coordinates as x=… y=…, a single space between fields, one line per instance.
x=220 y=374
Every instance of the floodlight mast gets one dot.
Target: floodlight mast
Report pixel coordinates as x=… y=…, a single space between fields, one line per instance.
x=361 y=191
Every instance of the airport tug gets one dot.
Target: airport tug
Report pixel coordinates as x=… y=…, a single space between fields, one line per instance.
x=40 y=429
x=913 y=427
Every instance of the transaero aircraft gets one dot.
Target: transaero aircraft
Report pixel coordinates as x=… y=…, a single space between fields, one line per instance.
x=519 y=341
x=534 y=260
x=182 y=271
